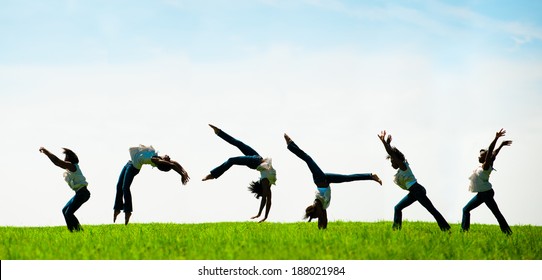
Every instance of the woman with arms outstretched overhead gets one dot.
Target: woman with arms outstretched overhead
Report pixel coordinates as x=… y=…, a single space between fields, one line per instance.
x=77 y=182
x=479 y=184
x=405 y=179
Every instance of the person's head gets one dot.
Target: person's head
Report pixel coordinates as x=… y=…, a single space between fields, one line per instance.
x=163 y=166
x=316 y=211
x=70 y=156
x=482 y=156
x=395 y=162
x=256 y=187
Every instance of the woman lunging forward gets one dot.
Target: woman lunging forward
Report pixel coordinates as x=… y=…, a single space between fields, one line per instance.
x=405 y=179
x=479 y=184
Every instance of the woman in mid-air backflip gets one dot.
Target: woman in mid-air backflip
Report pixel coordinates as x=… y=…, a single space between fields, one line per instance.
x=322 y=181
x=251 y=159
x=138 y=157
x=405 y=179
x=77 y=182
x=479 y=183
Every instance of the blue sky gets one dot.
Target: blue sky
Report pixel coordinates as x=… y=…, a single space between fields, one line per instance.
x=101 y=76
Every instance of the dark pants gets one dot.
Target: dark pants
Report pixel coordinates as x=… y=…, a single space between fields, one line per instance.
x=418 y=193
x=320 y=178
x=80 y=197
x=123 y=188
x=251 y=158
x=487 y=198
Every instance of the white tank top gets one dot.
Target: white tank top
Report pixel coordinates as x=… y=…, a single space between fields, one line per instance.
x=142 y=155
x=479 y=180
x=404 y=178
x=75 y=180
x=267 y=171
x=324 y=195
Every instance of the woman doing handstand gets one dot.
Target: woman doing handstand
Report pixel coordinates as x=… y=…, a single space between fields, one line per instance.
x=322 y=181
x=251 y=159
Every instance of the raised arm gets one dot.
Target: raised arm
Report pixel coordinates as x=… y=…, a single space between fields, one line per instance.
x=390 y=150
x=490 y=156
x=58 y=162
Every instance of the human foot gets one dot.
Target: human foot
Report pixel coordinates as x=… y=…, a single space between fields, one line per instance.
x=287 y=138
x=208 y=177
x=376 y=178
x=127 y=216
x=115 y=214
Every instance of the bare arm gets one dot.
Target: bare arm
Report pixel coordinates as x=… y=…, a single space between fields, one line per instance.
x=58 y=162
x=389 y=149
x=322 y=222
x=490 y=158
x=174 y=165
x=266 y=201
x=504 y=143
x=179 y=169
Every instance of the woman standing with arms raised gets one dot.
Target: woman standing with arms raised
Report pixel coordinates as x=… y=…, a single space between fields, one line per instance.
x=479 y=184
x=405 y=179
x=77 y=182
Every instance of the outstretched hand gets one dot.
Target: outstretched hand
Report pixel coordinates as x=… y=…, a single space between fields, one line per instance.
x=500 y=133
x=506 y=143
x=382 y=135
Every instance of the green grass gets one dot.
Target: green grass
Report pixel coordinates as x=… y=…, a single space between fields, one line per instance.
x=270 y=241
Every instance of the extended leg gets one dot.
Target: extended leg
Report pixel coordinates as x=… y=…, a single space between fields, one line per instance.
x=318 y=175
x=398 y=214
x=476 y=201
x=421 y=195
x=245 y=149
x=249 y=161
x=340 y=178
x=492 y=205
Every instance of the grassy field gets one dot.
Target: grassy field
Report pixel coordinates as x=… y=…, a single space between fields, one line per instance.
x=270 y=241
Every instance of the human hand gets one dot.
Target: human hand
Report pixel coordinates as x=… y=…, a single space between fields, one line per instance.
x=506 y=143
x=382 y=135
x=500 y=133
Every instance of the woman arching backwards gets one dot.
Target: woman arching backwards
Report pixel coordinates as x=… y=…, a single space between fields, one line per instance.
x=77 y=182
x=479 y=183
x=139 y=156
x=405 y=179
x=322 y=181
x=251 y=159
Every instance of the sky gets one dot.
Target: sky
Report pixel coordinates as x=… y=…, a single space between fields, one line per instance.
x=101 y=76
